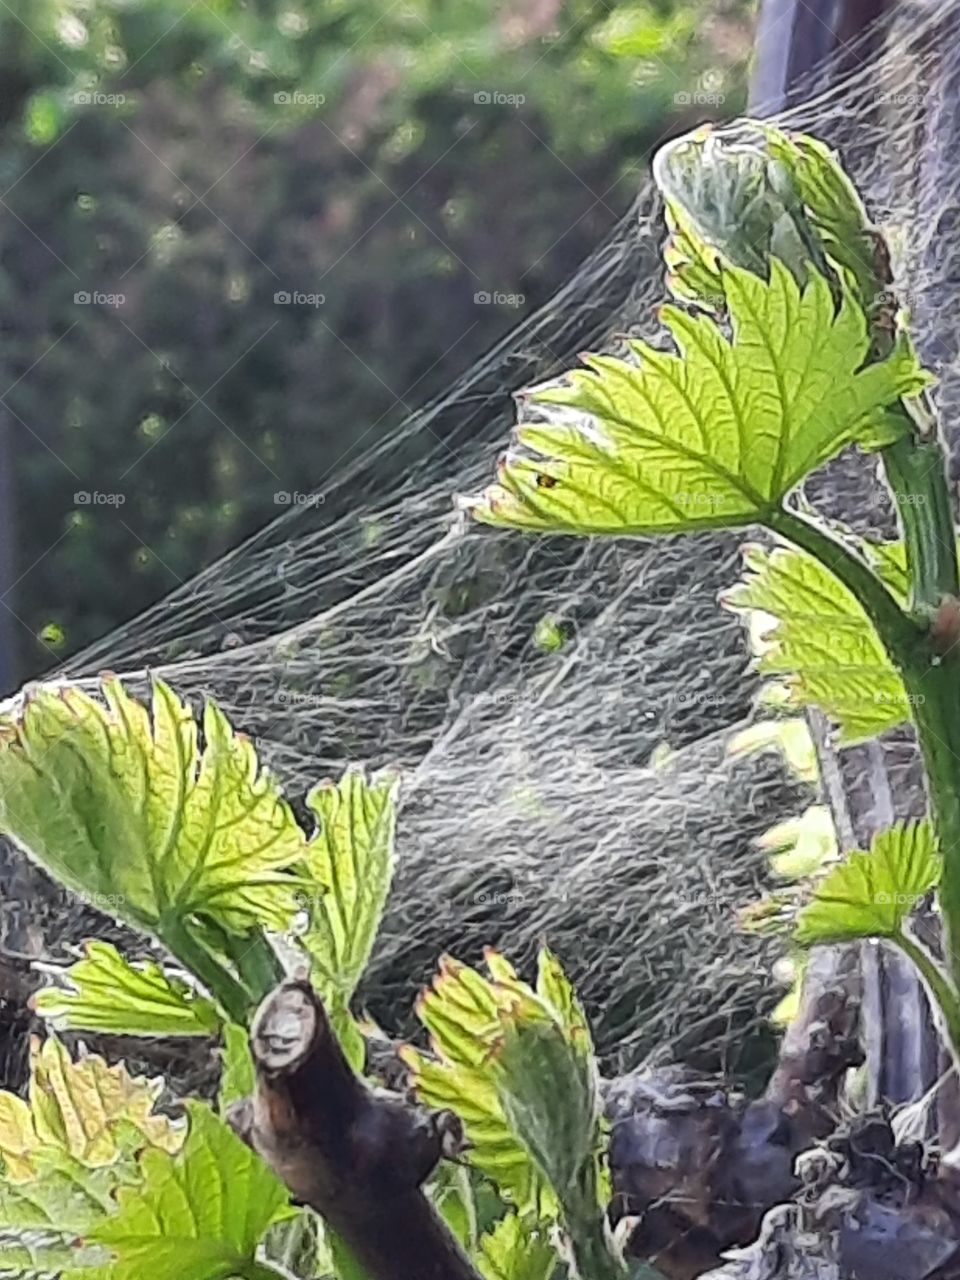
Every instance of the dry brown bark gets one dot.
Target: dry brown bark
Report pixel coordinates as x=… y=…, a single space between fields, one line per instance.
x=357 y=1155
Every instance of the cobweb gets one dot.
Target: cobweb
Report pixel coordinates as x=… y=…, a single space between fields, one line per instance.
x=561 y=709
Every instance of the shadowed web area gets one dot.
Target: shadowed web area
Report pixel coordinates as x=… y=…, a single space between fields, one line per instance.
x=561 y=710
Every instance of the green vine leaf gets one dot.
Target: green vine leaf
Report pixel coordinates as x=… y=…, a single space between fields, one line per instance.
x=238 y=1076
x=86 y=1110
x=871 y=894
x=104 y=992
x=806 y=626
x=352 y=857
x=199 y=1215
x=461 y=1013
x=44 y=1222
x=121 y=805
x=517 y=1065
x=714 y=436
x=515 y=1251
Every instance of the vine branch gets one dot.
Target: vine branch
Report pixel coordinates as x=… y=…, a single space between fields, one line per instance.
x=356 y=1155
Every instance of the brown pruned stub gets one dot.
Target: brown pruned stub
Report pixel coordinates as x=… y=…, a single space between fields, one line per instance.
x=357 y=1155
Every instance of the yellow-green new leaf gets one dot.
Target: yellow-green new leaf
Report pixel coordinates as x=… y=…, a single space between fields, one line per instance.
x=714 y=436
x=513 y=1250
x=92 y=1111
x=807 y=627
x=871 y=894
x=461 y=1013
x=85 y=1110
x=104 y=992
x=352 y=858
x=120 y=804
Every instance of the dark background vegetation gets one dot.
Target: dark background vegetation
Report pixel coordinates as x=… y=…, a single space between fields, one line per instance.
x=186 y=162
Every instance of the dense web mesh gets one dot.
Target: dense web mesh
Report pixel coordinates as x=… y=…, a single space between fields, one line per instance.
x=524 y=685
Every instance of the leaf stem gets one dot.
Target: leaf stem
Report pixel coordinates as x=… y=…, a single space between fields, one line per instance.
x=933 y=693
x=917 y=480
x=898 y=631
x=232 y=996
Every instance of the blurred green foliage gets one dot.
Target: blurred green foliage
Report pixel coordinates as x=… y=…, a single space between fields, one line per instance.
x=184 y=162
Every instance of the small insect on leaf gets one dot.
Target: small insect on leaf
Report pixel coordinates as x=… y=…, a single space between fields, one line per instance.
x=546 y=482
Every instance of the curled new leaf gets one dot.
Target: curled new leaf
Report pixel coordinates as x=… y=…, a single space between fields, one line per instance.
x=713 y=436
x=749 y=192
x=460 y=1011
x=517 y=1065
x=549 y=1092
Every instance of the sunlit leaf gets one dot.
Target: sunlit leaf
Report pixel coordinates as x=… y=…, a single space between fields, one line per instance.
x=806 y=626
x=93 y=1111
x=352 y=858
x=198 y=1215
x=872 y=893
x=104 y=992
x=120 y=804
x=461 y=1013
x=714 y=436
